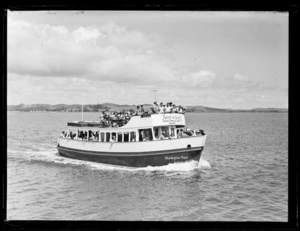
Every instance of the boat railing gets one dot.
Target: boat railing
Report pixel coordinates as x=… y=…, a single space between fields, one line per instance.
x=142 y=141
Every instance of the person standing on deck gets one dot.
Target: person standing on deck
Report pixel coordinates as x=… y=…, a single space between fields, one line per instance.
x=142 y=109
x=138 y=110
x=161 y=108
x=156 y=107
x=168 y=109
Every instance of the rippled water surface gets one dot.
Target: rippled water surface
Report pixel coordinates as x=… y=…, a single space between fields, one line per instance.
x=242 y=175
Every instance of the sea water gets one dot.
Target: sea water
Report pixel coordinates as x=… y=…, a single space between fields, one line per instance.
x=242 y=174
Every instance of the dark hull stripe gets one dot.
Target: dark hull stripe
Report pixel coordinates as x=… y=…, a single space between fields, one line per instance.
x=164 y=152
x=134 y=160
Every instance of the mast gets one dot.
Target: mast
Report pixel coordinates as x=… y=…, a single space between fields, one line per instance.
x=82 y=112
x=155 y=95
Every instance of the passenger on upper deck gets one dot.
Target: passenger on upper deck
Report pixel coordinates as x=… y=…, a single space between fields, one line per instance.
x=155 y=107
x=174 y=109
x=152 y=111
x=161 y=108
x=138 y=110
x=180 y=109
x=168 y=108
x=142 y=109
x=160 y=105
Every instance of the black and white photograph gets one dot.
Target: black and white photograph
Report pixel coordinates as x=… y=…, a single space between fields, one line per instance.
x=131 y=115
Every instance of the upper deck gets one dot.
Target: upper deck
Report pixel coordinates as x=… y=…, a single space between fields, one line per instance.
x=152 y=120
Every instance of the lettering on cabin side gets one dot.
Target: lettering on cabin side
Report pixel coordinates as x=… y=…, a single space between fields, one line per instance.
x=172 y=119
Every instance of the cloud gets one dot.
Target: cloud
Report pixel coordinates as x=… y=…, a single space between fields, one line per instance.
x=202 y=77
x=108 y=52
x=240 y=77
x=85 y=35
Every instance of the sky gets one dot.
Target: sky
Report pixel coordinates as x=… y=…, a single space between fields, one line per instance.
x=233 y=60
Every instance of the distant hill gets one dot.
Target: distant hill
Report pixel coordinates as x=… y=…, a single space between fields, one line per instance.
x=269 y=110
x=117 y=107
x=205 y=109
x=210 y=109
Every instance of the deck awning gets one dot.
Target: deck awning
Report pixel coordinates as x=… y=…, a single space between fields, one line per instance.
x=83 y=124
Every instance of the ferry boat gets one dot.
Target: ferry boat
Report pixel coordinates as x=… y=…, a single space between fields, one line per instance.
x=149 y=140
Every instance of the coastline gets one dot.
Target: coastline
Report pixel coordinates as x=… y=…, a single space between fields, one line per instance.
x=116 y=107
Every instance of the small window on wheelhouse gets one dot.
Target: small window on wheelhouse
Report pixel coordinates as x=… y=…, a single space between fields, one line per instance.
x=126 y=136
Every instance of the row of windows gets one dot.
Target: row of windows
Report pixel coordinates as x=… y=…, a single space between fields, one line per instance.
x=117 y=136
x=163 y=132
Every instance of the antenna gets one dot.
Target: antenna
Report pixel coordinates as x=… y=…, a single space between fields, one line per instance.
x=154 y=91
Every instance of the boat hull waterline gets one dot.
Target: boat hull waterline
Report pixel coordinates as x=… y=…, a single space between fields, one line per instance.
x=135 y=159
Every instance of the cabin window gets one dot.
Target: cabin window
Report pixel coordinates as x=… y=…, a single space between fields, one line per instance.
x=149 y=133
x=172 y=132
x=102 y=136
x=120 y=136
x=72 y=135
x=107 y=137
x=92 y=135
x=165 y=131
x=114 y=136
x=141 y=134
x=132 y=137
x=156 y=132
x=126 y=136
x=80 y=135
x=145 y=134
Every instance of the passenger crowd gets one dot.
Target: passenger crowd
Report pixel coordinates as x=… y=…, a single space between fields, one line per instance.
x=167 y=108
x=81 y=135
x=117 y=119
